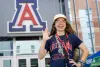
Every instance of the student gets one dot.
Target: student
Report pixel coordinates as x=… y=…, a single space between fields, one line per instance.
x=61 y=44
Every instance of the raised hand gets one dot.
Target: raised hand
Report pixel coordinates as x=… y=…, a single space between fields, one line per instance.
x=46 y=35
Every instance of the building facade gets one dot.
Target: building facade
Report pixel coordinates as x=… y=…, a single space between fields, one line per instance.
x=22 y=23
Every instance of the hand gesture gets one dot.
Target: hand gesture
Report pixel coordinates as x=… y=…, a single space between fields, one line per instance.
x=45 y=34
x=74 y=63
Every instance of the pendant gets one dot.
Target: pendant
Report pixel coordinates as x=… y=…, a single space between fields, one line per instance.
x=60 y=50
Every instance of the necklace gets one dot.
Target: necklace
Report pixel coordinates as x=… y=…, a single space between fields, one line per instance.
x=60 y=50
x=60 y=44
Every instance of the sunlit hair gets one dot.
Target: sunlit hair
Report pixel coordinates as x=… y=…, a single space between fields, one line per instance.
x=68 y=28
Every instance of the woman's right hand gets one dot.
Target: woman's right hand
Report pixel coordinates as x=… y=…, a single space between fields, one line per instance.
x=43 y=51
x=46 y=35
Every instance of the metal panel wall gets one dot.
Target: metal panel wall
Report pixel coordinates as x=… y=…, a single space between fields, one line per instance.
x=47 y=9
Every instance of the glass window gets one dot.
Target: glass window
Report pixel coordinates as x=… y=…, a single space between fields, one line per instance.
x=47 y=62
x=22 y=62
x=90 y=35
x=18 y=49
x=90 y=11
x=6 y=63
x=32 y=48
x=91 y=24
x=6 y=47
x=34 y=62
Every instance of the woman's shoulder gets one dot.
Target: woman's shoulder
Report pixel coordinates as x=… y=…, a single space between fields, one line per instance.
x=71 y=35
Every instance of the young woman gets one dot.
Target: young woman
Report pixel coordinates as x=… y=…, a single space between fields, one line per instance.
x=61 y=44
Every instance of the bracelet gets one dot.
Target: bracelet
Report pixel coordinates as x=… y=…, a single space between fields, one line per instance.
x=81 y=62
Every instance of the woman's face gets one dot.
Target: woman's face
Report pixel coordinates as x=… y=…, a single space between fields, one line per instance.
x=60 y=24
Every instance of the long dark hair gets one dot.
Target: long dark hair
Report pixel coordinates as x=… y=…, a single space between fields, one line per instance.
x=68 y=28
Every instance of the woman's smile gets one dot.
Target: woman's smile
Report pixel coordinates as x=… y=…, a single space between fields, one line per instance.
x=60 y=26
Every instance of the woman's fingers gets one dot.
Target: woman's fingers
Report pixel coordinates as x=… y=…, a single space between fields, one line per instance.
x=46 y=31
x=72 y=62
x=46 y=34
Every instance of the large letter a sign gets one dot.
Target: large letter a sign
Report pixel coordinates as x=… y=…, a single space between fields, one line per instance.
x=26 y=18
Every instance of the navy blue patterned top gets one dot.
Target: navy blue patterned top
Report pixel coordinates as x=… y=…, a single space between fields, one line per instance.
x=57 y=59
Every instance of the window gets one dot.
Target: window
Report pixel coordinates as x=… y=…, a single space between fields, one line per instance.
x=18 y=49
x=6 y=46
x=47 y=62
x=90 y=11
x=90 y=35
x=91 y=24
x=32 y=48
x=34 y=62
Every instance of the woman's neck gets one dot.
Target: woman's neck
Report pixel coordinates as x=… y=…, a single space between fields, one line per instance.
x=61 y=33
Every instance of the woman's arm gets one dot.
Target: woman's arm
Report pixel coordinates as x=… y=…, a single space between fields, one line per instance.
x=85 y=51
x=42 y=51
